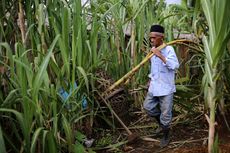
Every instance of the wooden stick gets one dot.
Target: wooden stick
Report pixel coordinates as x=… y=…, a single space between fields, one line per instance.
x=189 y=140
x=114 y=93
x=117 y=117
x=139 y=127
x=149 y=139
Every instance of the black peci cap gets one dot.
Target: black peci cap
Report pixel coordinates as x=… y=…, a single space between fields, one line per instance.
x=157 y=28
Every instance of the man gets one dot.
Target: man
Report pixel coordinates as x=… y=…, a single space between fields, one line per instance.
x=159 y=100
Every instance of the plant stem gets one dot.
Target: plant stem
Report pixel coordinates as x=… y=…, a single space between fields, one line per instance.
x=22 y=21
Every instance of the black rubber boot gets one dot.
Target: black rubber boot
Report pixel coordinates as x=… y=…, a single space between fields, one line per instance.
x=165 y=139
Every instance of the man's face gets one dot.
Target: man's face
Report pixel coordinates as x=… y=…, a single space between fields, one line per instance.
x=155 y=39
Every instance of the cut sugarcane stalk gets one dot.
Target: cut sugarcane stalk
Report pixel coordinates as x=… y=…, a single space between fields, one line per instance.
x=148 y=56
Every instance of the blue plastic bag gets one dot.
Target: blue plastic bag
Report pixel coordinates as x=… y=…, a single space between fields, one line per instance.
x=65 y=95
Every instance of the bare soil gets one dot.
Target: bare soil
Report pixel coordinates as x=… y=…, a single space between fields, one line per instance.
x=189 y=134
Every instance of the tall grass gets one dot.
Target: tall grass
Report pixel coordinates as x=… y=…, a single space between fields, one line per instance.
x=64 y=43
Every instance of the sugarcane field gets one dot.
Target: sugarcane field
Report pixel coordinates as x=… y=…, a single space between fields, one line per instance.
x=115 y=76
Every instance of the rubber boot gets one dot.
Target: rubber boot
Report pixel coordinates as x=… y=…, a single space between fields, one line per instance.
x=159 y=129
x=165 y=139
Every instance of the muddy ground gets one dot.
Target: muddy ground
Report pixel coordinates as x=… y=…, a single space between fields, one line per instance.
x=189 y=134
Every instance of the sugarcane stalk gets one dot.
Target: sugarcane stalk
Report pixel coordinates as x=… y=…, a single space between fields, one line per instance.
x=22 y=22
x=148 y=56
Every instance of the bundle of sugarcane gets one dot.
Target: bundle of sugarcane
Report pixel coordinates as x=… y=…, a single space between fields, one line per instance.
x=148 y=56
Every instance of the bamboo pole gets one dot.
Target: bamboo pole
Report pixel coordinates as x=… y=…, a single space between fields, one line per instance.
x=148 y=56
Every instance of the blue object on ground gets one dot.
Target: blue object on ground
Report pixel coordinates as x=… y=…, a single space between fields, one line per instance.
x=65 y=95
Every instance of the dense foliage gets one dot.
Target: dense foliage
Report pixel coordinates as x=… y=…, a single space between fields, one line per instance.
x=51 y=50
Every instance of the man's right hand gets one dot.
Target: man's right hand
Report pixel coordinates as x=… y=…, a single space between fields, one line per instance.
x=158 y=54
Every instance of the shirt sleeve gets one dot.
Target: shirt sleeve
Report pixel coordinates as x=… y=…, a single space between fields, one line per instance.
x=171 y=59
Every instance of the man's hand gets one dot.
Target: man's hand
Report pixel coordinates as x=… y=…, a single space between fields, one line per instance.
x=158 y=54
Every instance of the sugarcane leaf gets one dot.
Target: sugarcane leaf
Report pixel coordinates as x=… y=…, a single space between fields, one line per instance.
x=207 y=51
x=80 y=137
x=40 y=74
x=78 y=147
x=35 y=139
x=44 y=137
x=68 y=132
x=2 y=143
x=82 y=71
x=207 y=7
x=11 y=98
x=51 y=146
x=208 y=72
x=19 y=117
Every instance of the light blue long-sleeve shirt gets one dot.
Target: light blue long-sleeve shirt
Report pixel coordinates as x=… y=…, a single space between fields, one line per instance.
x=162 y=74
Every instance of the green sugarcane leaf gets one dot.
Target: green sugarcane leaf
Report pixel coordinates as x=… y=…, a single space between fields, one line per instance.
x=66 y=28
x=19 y=117
x=82 y=71
x=2 y=143
x=80 y=137
x=208 y=73
x=207 y=51
x=78 y=147
x=206 y=4
x=44 y=137
x=11 y=98
x=40 y=74
x=51 y=146
x=68 y=132
x=35 y=139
